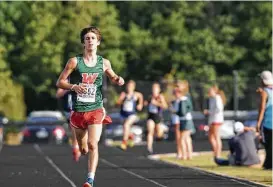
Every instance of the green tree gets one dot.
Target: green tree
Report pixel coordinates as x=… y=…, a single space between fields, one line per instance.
x=41 y=36
x=12 y=93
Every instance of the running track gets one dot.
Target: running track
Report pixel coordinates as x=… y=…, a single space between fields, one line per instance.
x=52 y=166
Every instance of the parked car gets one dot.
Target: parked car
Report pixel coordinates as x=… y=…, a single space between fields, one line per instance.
x=46 y=113
x=114 y=131
x=50 y=115
x=45 y=126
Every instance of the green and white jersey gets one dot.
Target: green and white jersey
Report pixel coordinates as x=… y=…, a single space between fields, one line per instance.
x=91 y=78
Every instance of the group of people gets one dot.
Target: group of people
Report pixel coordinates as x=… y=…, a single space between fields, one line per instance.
x=81 y=81
x=244 y=146
x=131 y=101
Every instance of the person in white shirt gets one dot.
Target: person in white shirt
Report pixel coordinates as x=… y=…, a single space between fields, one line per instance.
x=215 y=114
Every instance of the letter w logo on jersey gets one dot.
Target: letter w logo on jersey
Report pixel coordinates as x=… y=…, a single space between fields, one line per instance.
x=89 y=78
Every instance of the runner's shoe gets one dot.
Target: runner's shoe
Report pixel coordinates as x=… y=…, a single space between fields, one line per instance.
x=131 y=143
x=89 y=183
x=123 y=146
x=76 y=154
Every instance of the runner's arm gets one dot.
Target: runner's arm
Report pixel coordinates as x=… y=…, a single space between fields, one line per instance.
x=60 y=93
x=164 y=104
x=111 y=74
x=140 y=101
x=261 y=109
x=121 y=98
x=62 y=81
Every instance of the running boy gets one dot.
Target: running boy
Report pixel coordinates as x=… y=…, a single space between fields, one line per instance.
x=86 y=77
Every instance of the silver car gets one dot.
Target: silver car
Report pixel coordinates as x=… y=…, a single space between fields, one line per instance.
x=114 y=131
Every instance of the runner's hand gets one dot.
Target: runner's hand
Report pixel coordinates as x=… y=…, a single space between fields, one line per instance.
x=257 y=129
x=79 y=89
x=139 y=107
x=120 y=81
x=154 y=102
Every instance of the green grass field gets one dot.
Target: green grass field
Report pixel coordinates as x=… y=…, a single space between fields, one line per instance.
x=205 y=162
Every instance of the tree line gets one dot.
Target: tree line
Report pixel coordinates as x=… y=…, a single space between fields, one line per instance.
x=200 y=41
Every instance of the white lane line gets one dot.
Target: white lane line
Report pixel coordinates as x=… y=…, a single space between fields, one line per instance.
x=39 y=150
x=130 y=172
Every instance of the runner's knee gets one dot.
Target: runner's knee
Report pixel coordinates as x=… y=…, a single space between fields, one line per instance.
x=92 y=145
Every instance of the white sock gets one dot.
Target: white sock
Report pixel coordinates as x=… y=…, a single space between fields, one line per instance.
x=76 y=146
x=91 y=175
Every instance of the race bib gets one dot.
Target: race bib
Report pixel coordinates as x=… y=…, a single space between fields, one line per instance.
x=90 y=95
x=128 y=106
x=153 y=109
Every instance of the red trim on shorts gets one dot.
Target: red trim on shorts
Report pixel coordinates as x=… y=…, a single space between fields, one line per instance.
x=81 y=120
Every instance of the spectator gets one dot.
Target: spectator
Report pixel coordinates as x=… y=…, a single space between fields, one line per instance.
x=243 y=148
x=264 y=124
x=215 y=114
x=175 y=122
x=184 y=109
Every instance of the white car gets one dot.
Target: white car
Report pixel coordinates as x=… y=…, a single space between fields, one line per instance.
x=227 y=129
x=46 y=113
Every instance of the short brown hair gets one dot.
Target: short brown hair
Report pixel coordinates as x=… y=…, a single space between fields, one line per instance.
x=93 y=29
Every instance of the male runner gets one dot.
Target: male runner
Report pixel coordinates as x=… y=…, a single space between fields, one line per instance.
x=86 y=77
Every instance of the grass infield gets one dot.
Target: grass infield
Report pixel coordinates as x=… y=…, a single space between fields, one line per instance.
x=205 y=162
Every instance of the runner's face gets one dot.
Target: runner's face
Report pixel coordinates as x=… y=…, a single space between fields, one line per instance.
x=130 y=87
x=91 y=41
x=156 y=89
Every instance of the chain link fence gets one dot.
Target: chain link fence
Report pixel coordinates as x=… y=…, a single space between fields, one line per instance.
x=240 y=93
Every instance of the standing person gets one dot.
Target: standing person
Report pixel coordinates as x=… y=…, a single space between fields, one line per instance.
x=1 y=134
x=4 y=121
x=215 y=114
x=130 y=101
x=86 y=77
x=65 y=96
x=264 y=123
x=156 y=104
x=186 y=126
x=174 y=106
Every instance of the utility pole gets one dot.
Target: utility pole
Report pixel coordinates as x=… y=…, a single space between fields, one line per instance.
x=235 y=94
